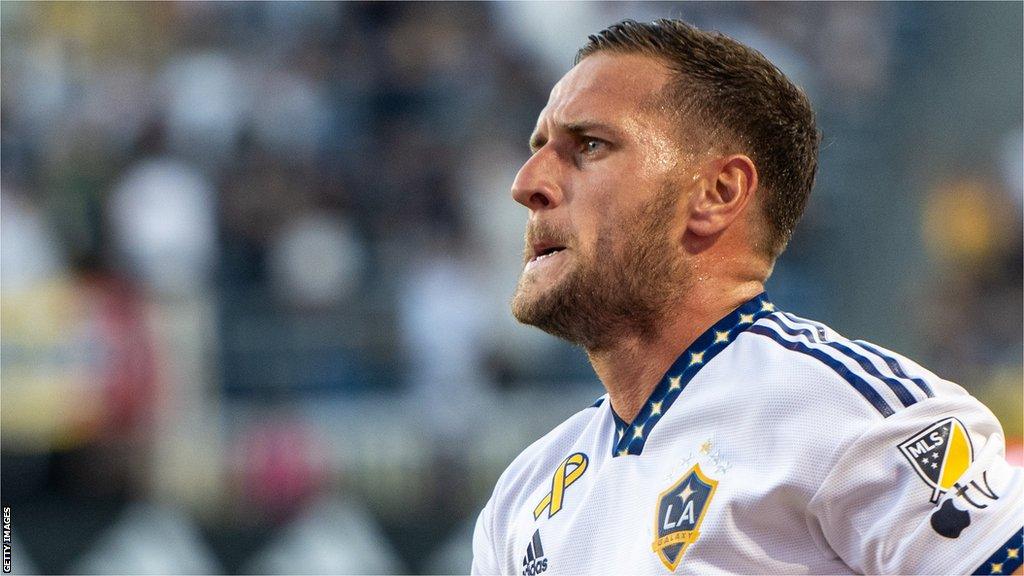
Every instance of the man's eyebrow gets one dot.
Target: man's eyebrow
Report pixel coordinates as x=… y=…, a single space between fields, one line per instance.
x=537 y=142
x=578 y=128
x=585 y=126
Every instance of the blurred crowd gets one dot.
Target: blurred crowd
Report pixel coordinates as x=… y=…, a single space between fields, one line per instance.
x=256 y=257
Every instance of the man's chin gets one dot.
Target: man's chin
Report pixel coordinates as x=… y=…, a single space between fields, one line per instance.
x=526 y=303
x=534 y=301
x=557 y=317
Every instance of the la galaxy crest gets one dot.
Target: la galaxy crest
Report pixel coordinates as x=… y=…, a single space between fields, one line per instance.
x=680 y=511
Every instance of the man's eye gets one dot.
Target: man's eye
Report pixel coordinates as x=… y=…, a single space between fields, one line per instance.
x=592 y=145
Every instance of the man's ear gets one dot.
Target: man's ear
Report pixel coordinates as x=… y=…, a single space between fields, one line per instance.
x=728 y=186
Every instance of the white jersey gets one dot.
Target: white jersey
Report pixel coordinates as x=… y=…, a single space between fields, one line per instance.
x=772 y=445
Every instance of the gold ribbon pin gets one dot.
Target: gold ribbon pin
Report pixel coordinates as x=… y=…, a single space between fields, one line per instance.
x=559 y=482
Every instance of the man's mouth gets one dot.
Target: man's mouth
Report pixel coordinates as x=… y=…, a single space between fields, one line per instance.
x=542 y=254
x=542 y=251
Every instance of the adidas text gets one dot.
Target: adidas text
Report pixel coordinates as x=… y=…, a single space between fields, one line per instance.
x=535 y=567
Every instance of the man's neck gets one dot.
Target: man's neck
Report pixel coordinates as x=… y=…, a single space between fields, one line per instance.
x=632 y=367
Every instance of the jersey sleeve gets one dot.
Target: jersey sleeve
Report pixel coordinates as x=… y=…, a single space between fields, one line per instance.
x=926 y=490
x=485 y=561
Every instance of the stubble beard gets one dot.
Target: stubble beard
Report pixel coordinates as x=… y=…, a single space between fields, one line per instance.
x=617 y=291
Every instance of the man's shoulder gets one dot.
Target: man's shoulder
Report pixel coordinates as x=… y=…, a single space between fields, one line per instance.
x=791 y=355
x=540 y=457
x=552 y=446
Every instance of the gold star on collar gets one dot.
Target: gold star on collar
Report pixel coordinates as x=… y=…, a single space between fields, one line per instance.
x=623 y=452
x=655 y=408
x=997 y=568
x=1012 y=553
x=746 y=318
x=639 y=431
x=767 y=307
x=722 y=336
x=696 y=358
x=673 y=383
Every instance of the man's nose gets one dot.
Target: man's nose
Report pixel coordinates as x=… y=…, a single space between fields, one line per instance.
x=536 y=185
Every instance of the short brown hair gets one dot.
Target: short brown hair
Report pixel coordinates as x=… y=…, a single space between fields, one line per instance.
x=742 y=100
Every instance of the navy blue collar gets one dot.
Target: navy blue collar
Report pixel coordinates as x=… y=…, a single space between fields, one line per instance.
x=630 y=437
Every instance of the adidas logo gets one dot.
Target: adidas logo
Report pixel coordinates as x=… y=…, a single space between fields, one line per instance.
x=534 y=562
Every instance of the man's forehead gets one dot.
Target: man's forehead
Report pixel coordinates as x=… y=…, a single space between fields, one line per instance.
x=606 y=86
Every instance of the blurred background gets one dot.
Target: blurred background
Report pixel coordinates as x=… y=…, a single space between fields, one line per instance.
x=257 y=257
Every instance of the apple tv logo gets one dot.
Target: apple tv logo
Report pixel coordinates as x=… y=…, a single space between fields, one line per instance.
x=948 y=521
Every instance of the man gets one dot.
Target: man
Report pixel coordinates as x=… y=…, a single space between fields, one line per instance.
x=669 y=168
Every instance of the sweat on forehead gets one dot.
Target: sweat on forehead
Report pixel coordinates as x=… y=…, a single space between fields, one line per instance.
x=625 y=92
x=616 y=91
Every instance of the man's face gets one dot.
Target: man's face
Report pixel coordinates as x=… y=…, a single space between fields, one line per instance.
x=606 y=188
